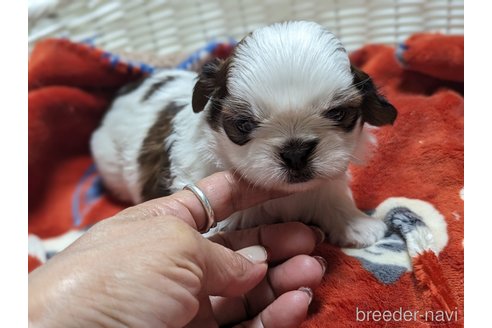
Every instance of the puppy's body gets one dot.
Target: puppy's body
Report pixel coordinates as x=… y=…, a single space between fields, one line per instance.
x=126 y=134
x=286 y=111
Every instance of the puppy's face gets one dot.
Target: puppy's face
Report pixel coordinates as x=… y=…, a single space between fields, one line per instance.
x=287 y=108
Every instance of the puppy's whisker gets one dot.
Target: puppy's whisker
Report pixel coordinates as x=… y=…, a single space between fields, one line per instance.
x=353 y=157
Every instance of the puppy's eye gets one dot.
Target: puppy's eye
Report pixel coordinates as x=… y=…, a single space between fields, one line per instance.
x=244 y=126
x=343 y=117
x=336 y=114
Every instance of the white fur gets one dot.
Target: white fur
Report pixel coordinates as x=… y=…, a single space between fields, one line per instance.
x=289 y=77
x=116 y=143
x=289 y=73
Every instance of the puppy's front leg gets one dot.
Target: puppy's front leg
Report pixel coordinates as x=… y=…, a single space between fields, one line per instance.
x=343 y=223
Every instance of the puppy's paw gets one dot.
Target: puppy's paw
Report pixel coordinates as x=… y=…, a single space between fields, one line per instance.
x=357 y=232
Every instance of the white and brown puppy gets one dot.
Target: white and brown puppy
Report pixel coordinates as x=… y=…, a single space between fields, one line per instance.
x=285 y=111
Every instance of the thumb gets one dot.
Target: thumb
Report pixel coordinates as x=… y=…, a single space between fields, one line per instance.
x=229 y=273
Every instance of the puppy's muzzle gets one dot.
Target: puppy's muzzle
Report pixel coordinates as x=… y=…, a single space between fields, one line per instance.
x=296 y=153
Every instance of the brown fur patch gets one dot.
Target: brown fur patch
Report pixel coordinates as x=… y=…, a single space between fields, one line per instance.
x=153 y=160
x=211 y=86
x=376 y=110
x=156 y=86
x=234 y=114
x=130 y=87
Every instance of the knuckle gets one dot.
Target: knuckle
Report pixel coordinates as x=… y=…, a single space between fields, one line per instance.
x=239 y=266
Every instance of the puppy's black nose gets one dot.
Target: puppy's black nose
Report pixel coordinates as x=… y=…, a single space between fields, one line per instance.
x=295 y=153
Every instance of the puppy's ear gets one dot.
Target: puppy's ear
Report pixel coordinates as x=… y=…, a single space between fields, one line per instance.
x=376 y=110
x=212 y=78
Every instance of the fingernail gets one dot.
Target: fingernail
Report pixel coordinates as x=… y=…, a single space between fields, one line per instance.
x=308 y=291
x=255 y=254
x=322 y=262
x=320 y=235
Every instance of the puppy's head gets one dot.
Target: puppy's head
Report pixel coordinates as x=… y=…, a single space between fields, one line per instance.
x=287 y=108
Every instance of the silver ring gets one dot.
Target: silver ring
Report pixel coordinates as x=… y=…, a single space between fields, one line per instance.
x=206 y=206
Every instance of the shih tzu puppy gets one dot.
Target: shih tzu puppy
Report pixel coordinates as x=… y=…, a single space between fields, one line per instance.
x=285 y=111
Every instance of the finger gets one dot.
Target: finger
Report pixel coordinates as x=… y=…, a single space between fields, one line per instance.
x=204 y=317
x=229 y=273
x=300 y=271
x=226 y=192
x=283 y=240
x=287 y=311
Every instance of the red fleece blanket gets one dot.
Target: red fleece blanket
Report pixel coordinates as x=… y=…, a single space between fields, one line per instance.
x=411 y=278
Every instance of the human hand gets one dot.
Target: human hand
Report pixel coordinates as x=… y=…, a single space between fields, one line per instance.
x=148 y=267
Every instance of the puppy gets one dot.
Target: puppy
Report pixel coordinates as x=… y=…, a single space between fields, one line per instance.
x=285 y=111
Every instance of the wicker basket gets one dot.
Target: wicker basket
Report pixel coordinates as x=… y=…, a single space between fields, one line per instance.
x=164 y=27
